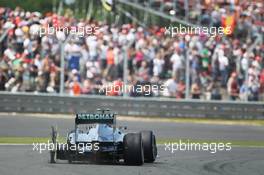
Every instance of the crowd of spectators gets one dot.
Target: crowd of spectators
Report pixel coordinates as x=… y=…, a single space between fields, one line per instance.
x=218 y=65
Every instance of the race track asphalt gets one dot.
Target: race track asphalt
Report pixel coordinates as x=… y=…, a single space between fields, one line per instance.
x=35 y=126
x=22 y=160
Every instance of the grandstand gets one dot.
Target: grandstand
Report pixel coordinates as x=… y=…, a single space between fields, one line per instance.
x=128 y=47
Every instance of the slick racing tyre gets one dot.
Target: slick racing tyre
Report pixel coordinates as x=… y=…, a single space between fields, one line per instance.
x=149 y=145
x=133 y=149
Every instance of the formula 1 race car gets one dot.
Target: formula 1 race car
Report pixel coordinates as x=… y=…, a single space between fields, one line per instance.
x=101 y=141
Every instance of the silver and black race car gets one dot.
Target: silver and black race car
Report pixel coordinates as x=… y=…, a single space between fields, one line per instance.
x=102 y=141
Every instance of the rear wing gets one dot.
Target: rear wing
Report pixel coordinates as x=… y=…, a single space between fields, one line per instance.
x=90 y=118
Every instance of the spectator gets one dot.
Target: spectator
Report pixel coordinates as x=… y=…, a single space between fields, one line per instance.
x=215 y=91
x=46 y=68
x=75 y=87
x=143 y=71
x=177 y=64
x=253 y=89
x=180 y=94
x=244 y=91
x=170 y=87
x=110 y=57
x=232 y=87
x=195 y=90
x=223 y=66
x=3 y=79
x=30 y=62
x=158 y=63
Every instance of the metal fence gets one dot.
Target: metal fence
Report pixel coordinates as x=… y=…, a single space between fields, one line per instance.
x=147 y=107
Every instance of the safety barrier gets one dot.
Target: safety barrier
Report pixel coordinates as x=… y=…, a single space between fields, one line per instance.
x=148 y=107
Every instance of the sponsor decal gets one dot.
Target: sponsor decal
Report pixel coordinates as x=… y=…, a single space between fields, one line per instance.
x=94 y=118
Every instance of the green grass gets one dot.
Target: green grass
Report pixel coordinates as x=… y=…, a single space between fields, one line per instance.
x=26 y=140
x=251 y=122
x=242 y=143
x=30 y=140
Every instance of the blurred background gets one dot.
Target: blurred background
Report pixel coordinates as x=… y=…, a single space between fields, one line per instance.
x=130 y=48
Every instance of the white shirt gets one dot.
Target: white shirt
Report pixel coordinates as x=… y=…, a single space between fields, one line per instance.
x=158 y=66
x=92 y=45
x=170 y=87
x=10 y=54
x=177 y=61
x=244 y=64
x=223 y=62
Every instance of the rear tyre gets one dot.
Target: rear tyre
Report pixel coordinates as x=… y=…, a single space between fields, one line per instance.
x=133 y=149
x=149 y=145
